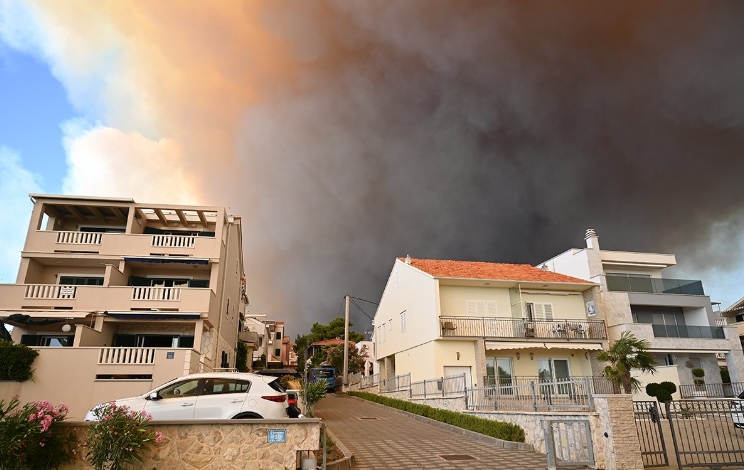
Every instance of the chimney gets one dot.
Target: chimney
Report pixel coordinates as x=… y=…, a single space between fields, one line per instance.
x=592 y=240
x=408 y=259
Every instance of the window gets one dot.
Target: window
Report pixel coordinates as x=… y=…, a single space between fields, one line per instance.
x=186 y=388
x=48 y=340
x=81 y=280
x=403 y=321
x=222 y=386
x=539 y=311
x=499 y=371
x=141 y=281
x=482 y=308
x=278 y=335
x=277 y=352
x=103 y=229
x=153 y=341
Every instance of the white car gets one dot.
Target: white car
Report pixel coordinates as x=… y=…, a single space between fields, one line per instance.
x=212 y=395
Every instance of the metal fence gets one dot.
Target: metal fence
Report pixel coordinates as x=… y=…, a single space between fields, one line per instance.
x=719 y=390
x=597 y=385
x=397 y=383
x=370 y=381
x=534 y=395
x=441 y=387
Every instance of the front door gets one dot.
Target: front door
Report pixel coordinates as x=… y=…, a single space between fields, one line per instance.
x=554 y=370
x=459 y=370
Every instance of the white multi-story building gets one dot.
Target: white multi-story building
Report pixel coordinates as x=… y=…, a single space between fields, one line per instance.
x=675 y=316
x=119 y=296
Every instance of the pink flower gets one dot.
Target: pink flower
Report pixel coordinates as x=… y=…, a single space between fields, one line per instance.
x=159 y=437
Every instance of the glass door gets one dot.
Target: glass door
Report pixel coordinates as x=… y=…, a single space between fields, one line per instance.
x=554 y=370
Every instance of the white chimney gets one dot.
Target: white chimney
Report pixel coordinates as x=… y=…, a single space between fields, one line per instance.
x=408 y=259
x=592 y=240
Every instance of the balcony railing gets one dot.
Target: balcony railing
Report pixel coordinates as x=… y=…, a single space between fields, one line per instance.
x=652 y=285
x=174 y=241
x=686 y=331
x=79 y=238
x=49 y=291
x=156 y=293
x=126 y=356
x=713 y=390
x=595 y=384
x=488 y=327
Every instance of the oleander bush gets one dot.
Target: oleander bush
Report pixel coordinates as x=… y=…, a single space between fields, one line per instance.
x=31 y=438
x=498 y=429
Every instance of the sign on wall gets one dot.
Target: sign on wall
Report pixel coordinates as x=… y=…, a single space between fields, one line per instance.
x=277 y=436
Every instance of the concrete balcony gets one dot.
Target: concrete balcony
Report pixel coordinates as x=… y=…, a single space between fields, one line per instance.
x=114 y=244
x=713 y=342
x=489 y=327
x=18 y=296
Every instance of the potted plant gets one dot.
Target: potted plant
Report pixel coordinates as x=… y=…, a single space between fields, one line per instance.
x=699 y=381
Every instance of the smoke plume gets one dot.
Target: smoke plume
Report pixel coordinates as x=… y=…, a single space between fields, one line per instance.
x=349 y=133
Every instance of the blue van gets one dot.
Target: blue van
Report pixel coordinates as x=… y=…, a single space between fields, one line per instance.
x=323 y=372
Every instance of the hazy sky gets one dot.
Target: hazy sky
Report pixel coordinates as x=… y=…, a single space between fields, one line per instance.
x=349 y=133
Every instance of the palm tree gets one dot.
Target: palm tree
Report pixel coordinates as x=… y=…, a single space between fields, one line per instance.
x=627 y=353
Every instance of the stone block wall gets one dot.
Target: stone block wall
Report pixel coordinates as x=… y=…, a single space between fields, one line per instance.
x=220 y=444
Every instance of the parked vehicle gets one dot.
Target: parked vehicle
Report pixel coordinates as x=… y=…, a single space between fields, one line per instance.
x=324 y=372
x=737 y=407
x=213 y=395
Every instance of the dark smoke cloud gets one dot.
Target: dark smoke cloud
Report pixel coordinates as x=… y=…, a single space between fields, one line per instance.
x=493 y=131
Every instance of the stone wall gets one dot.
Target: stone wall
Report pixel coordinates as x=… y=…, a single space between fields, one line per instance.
x=443 y=403
x=221 y=444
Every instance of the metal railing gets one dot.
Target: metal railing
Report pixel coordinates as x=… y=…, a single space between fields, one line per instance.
x=79 y=238
x=712 y=390
x=558 y=395
x=652 y=285
x=370 y=381
x=396 y=384
x=441 y=387
x=598 y=385
x=687 y=331
x=491 y=327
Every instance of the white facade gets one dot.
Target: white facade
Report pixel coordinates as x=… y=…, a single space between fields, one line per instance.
x=435 y=325
x=674 y=316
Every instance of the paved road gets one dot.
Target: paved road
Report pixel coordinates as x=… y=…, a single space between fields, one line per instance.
x=385 y=439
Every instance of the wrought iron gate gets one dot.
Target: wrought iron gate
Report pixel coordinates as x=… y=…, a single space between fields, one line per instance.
x=650 y=433
x=707 y=433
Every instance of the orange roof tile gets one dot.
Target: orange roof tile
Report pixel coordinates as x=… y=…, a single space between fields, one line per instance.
x=331 y=342
x=494 y=271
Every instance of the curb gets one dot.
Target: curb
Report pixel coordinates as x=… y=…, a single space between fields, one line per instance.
x=347 y=462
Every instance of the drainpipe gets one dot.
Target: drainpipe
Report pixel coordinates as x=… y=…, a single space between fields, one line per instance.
x=222 y=295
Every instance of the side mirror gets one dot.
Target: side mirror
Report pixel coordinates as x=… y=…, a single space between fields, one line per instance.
x=154 y=396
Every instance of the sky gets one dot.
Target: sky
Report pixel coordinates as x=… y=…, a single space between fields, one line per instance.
x=349 y=133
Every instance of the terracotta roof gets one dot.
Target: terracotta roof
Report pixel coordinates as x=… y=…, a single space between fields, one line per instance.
x=493 y=271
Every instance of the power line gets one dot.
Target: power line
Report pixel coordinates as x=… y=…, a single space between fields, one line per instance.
x=360 y=308
x=368 y=301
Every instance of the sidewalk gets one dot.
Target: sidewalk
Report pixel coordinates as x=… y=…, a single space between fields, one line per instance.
x=382 y=438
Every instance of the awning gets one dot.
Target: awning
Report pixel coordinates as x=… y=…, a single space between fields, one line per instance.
x=153 y=315
x=166 y=259
x=580 y=346
x=498 y=345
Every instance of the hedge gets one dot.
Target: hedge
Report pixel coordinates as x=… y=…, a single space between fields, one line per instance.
x=15 y=361
x=498 y=429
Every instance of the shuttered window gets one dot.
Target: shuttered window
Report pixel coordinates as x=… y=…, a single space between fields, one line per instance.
x=543 y=311
x=482 y=308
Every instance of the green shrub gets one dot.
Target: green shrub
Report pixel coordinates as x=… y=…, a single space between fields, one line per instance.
x=662 y=391
x=725 y=376
x=671 y=387
x=15 y=361
x=312 y=393
x=498 y=429
x=241 y=357
x=698 y=372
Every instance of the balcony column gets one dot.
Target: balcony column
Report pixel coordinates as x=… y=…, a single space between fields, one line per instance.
x=480 y=361
x=198 y=330
x=735 y=358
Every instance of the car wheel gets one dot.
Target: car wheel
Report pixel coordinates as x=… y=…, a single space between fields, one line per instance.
x=248 y=416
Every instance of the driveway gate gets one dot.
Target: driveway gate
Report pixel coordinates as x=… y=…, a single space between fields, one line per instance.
x=650 y=434
x=704 y=434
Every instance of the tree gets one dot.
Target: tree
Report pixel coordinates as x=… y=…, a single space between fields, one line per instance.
x=320 y=332
x=627 y=353
x=335 y=357
x=241 y=357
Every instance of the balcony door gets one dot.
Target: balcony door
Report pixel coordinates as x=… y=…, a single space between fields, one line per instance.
x=554 y=370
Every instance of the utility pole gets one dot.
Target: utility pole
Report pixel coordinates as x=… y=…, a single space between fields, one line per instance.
x=346 y=343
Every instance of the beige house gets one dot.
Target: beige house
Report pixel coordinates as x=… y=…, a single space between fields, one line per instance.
x=675 y=316
x=489 y=321
x=119 y=297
